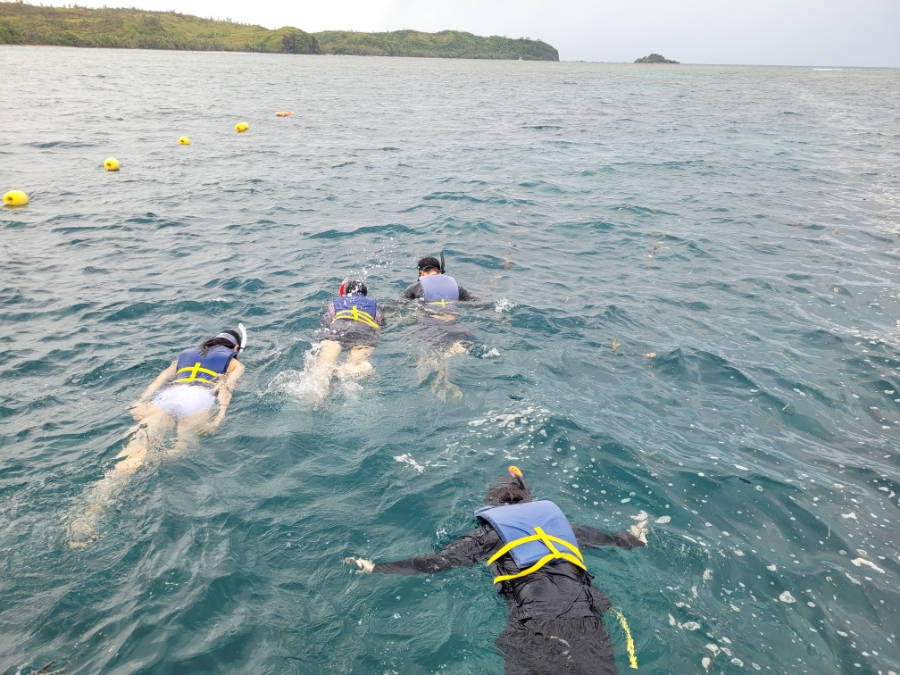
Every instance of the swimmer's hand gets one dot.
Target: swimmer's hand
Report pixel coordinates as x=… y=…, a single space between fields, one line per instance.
x=639 y=529
x=210 y=427
x=138 y=410
x=365 y=566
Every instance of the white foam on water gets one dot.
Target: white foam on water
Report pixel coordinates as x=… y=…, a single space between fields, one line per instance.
x=862 y=561
x=407 y=459
x=311 y=383
x=503 y=305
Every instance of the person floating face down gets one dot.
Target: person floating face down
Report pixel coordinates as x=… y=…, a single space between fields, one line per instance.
x=556 y=617
x=440 y=293
x=352 y=322
x=189 y=397
x=438 y=329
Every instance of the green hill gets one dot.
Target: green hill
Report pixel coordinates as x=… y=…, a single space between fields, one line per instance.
x=25 y=24
x=136 y=29
x=449 y=44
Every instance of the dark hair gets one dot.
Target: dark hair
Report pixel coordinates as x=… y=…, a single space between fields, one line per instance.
x=508 y=492
x=208 y=346
x=355 y=287
x=429 y=262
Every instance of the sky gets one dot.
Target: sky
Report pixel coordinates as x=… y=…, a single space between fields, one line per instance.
x=758 y=32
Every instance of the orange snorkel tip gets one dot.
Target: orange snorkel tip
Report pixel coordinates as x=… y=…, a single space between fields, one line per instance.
x=516 y=473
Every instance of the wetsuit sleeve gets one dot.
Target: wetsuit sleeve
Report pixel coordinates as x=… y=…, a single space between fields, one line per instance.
x=588 y=537
x=328 y=319
x=465 y=296
x=413 y=291
x=470 y=548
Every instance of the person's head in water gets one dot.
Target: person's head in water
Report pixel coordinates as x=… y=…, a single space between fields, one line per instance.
x=513 y=490
x=227 y=338
x=429 y=265
x=358 y=287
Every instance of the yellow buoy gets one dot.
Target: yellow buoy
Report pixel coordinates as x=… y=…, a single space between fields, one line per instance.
x=15 y=198
x=241 y=127
x=184 y=140
x=111 y=164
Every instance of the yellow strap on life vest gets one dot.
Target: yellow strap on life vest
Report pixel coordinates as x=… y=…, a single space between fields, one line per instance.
x=443 y=302
x=629 y=643
x=555 y=554
x=194 y=371
x=353 y=314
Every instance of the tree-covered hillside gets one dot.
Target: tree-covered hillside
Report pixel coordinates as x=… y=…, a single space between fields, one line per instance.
x=75 y=26
x=130 y=28
x=448 y=44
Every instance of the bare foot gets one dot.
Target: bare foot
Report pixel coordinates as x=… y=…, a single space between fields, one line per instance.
x=82 y=530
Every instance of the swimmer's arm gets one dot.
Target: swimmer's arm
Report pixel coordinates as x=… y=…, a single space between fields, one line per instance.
x=139 y=407
x=328 y=319
x=226 y=386
x=413 y=291
x=465 y=296
x=588 y=537
x=465 y=551
x=157 y=383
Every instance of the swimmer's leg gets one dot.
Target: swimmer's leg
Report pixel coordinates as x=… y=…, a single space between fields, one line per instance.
x=442 y=386
x=155 y=422
x=187 y=431
x=428 y=362
x=322 y=368
x=82 y=526
x=357 y=365
x=579 y=646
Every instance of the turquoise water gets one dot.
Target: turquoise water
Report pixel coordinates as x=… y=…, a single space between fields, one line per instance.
x=741 y=225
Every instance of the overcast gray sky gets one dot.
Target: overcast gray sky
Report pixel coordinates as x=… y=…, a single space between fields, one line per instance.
x=771 y=32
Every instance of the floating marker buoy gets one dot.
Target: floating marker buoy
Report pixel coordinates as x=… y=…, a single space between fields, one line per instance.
x=111 y=164
x=15 y=198
x=184 y=140
x=241 y=127
x=284 y=113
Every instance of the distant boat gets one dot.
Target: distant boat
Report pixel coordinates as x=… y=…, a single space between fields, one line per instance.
x=520 y=58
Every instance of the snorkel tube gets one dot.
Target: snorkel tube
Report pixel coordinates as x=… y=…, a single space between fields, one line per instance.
x=517 y=476
x=243 y=332
x=343 y=287
x=443 y=269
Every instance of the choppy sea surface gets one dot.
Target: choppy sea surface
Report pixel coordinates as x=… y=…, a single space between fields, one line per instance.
x=690 y=307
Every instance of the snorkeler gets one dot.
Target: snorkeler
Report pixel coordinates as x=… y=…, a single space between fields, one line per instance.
x=353 y=321
x=441 y=288
x=438 y=328
x=183 y=398
x=555 y=622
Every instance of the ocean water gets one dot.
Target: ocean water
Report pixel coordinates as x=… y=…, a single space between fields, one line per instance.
x=691 y=307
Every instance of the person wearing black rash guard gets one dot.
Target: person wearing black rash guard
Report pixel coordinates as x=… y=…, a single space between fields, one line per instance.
x=438 y=327
x=430 y=266
x=556 y=616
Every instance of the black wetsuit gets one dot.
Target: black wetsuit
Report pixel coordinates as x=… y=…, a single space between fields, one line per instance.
x=414 y=292
x=555 y=623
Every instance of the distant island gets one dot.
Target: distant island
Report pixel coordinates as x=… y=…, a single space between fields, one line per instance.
x=24 y=24
x=654 y=58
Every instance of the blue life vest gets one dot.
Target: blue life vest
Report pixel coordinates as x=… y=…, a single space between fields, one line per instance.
x=194 y=368
x=439 y=289
x=356 y=307
x=534 y=534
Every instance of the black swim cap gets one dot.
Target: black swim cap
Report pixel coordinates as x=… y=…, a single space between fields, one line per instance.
x=428 y=262
x=355 y=287
x=514 y=491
